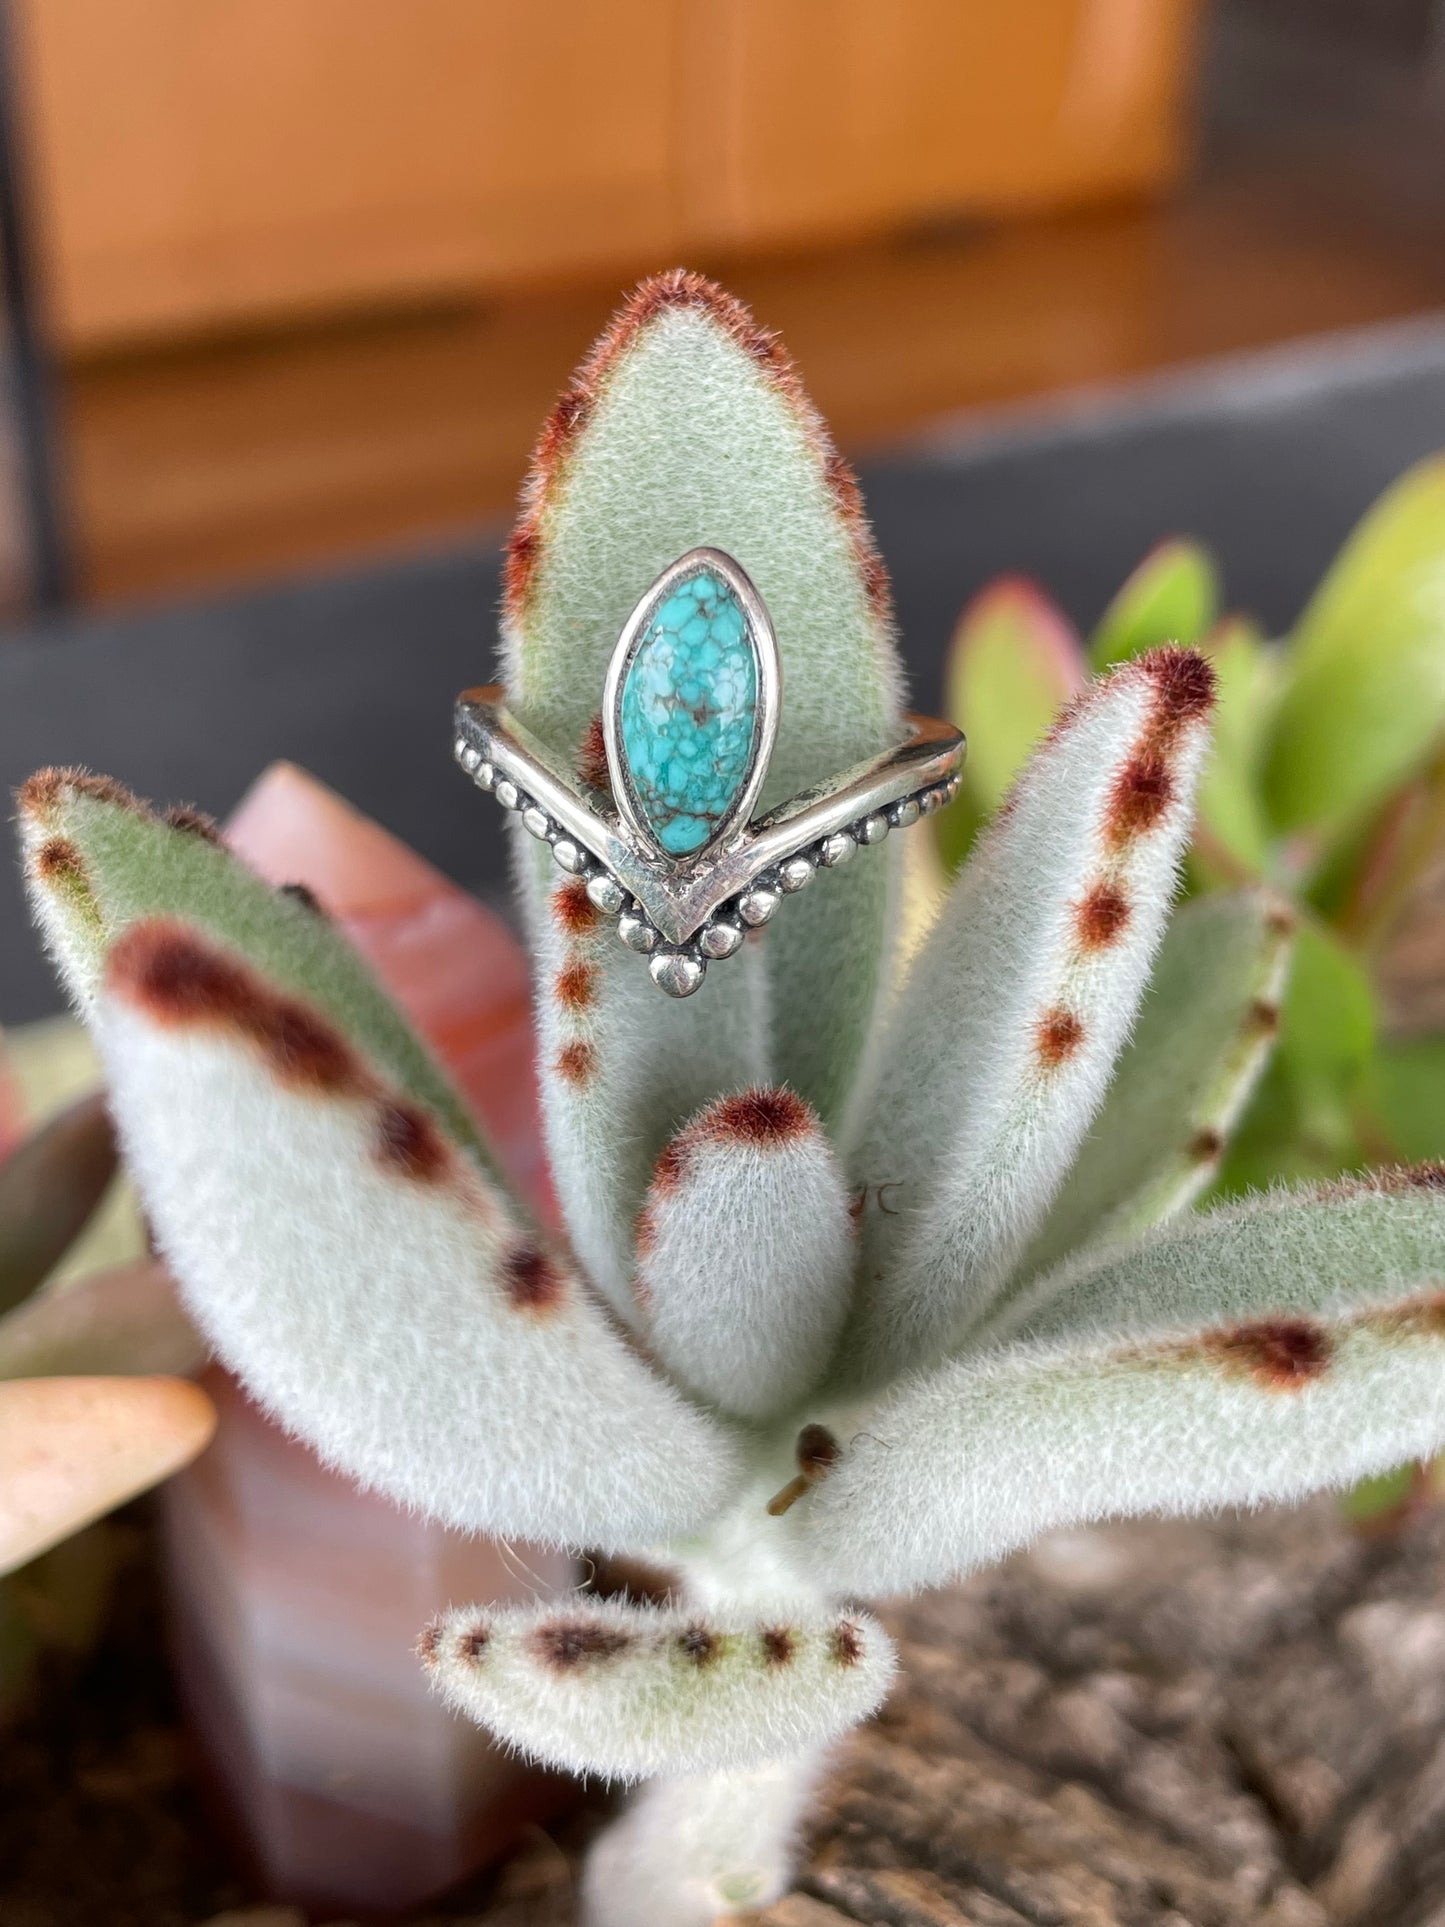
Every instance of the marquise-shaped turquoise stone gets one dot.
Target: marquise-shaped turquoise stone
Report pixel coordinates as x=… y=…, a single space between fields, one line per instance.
x=689 y=705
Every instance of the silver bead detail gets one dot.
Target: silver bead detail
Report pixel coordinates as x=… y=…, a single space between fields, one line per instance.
x=796 y=873
x=872 y=829
x=536 y=822
x=606 y=893
x=757 y=904
x=930 y=803
x=720 y=938
x=507 y=794
x=484 y=776
x=636 y=932
x=466 y=755
x=677 y=972
x=571 y=856
x=905 y=813
x=836 y=849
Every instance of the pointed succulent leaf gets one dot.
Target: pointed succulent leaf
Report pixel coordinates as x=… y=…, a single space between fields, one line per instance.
x=631 y=1691
x=128 y=1319
x=1233 y=833
x=686 y=1852
x=50 y=1186
x=1365 y=697
x=96 y=860
x=1013 y=663
x=369 y=1284
x=687 y=425
x=623 y=1067
x=745 y=1251
x=1000 y=1049
x=75 y=1448
x=1172 y=597
x=1205 y=1032
x=1253 y=1355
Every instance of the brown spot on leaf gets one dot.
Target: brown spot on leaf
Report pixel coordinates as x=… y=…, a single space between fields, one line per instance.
x=58 y=861
x=779 y=1645
x=577 y=915
x=166 y=970
x=428 y=1647
x=303 y=894
x=566 y=1644
x=1141 y=793
x=407 y=1141
x=846 y=1645
x=523 y=549
x=1412 y=1177
x=671 y=1165
x=193 y=823
x=1281 y=922
x=818 y=1451
x=1263 y=1017
x=576 y=1062
x=1184 y=684
x=1058 y=1036
x=531 y=1280
x=1282 y=1353
x=644 y=1237
x=699 y=1645
x=46 y=789
x=1205 y=1147
x=592 y=757
x=761 y=1118
x=576 y=986
x=1101 y=916
x=472 y=1643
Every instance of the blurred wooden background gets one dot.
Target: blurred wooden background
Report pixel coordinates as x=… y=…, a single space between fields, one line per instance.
x=310 y=271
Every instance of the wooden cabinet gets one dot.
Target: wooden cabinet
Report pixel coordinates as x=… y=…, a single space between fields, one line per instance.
x=204 y=164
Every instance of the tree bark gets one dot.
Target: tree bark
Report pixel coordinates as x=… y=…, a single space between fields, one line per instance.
x=1234 y=1723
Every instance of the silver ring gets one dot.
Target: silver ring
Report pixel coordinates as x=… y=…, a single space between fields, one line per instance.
x=689 y=719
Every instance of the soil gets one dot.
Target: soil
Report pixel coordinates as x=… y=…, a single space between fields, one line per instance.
x=1235 y=1723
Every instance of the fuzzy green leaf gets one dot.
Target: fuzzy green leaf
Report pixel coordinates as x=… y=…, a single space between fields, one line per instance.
x=1012 y=665
x=999 y=1051
x=1253 y=1355
x=688 y=426
x=629 y=1692
x=97 y=861
x=1365 y=700
x=1232 y=823
x=1204 y=1035
x=1173 y=596
x=752 y=1175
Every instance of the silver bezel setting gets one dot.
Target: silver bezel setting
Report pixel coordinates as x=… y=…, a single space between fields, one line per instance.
x=680 y=913
x=764 y=644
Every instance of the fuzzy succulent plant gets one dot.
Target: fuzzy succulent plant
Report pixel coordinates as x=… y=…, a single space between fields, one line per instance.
x=1327 y=782
x=865 y=1275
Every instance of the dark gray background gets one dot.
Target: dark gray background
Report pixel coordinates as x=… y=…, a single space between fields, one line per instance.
x=1269 y=458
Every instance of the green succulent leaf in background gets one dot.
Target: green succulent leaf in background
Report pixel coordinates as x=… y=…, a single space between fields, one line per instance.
x=1173 y=596
x=1364 y=698
x=1014 y=661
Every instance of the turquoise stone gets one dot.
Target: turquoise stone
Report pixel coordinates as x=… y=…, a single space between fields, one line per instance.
x=689 y=703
